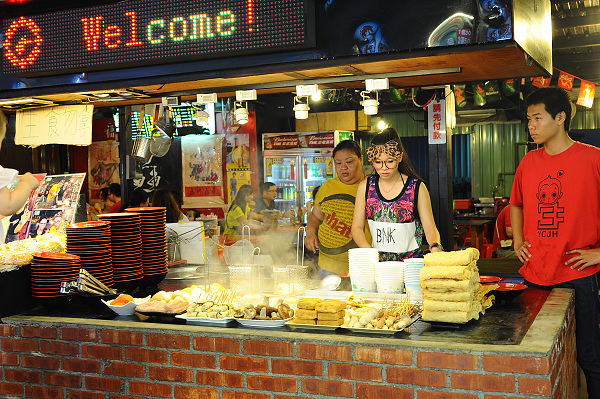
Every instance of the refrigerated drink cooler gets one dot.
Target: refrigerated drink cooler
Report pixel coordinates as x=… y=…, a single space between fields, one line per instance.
x=296 y=165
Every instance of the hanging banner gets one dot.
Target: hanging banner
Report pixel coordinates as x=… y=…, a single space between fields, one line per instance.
x=436 y=122
x=540 y=81
x=65 y=124
x=586 y=94
x=202 y=163
x=565 y=80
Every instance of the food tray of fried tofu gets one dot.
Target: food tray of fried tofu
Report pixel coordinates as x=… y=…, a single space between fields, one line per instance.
x=451 y=289
x=353 y=314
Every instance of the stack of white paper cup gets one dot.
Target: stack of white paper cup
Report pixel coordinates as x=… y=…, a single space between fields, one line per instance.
x=361 y=263
x=389 y=277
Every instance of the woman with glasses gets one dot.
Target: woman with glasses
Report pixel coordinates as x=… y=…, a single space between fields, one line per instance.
x=395 y=202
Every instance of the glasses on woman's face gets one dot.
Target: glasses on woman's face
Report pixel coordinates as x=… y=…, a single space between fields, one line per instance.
x=389 y=163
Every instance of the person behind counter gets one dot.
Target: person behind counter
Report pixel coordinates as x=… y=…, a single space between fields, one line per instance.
x=239 y=211
x=503 y=235
x=555 y=216
x=138 y=198
x=329 y=223
x=396 y=203
x=164 y=197
x=12 y=200
x=114 y=194
x=266 y=201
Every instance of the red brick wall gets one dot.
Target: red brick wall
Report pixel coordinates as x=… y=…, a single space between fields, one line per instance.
x=53 y=360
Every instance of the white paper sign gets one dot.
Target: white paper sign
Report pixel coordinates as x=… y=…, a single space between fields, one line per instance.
x=436 y=122
x=65 y=124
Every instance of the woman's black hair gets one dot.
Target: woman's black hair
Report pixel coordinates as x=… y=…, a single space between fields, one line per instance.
x=137 y=197
x=348 y=145
x=104 y=193
x=390 y=134
x=164 y=197
x=240 y=198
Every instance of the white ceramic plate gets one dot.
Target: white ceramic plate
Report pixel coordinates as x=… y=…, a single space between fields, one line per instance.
x=262 y=323
x=313 y=327
x=205 y=320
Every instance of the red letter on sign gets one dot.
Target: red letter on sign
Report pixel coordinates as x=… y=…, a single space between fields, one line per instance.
x=133 y=25
x=91 y=32
x=112 y=32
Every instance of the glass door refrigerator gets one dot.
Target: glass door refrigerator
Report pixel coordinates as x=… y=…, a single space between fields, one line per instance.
x=299 y=162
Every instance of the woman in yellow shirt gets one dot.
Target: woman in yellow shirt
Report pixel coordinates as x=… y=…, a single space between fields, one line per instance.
x=239 y=211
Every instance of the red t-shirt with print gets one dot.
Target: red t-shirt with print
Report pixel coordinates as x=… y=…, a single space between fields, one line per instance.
x=560 y=196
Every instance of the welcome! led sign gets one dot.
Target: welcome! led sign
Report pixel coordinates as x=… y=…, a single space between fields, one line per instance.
x=152 y=31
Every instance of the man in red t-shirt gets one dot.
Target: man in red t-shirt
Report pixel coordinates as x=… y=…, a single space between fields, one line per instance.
x=503 y=235
x=114 y=194
x=555 y=216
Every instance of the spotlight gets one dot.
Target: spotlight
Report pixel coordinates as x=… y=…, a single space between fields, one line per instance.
x=382 y=125
x=241 y=112
x=200 y=107
x=316 y=96
x=301 y=107
x=370 y=104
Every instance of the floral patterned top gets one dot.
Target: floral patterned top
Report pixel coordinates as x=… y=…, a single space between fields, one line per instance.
x=396 y=229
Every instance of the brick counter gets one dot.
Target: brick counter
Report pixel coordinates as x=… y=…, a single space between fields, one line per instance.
x=44 y=357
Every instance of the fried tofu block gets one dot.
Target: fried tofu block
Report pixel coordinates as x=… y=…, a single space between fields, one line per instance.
x=331 y=316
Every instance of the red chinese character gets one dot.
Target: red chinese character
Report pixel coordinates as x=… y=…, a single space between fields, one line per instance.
x=437 y=107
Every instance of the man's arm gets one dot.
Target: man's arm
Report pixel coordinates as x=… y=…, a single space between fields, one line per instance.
x=521 y=246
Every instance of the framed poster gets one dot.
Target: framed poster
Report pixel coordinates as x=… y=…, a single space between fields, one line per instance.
x=202 y=165
x=18 y=223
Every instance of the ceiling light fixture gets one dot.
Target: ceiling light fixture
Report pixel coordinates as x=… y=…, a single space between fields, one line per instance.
x=369 y=103
x=301 y=107
x=240 y=107
x=202 y=116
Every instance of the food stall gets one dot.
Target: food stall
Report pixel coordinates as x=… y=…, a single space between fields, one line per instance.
x=86 y=349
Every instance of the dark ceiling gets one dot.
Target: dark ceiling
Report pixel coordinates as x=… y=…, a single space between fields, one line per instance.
x=576 y=38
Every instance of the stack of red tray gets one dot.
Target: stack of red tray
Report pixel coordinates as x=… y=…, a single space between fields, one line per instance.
x=154 y=243
x=126 y=247
x=49 y=269
x=91 y=242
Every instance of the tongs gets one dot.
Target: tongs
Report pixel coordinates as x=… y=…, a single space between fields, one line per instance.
x=86 y=283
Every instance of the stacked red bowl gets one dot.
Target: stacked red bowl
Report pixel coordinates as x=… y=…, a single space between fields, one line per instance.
x=154 y=243
x=91 y=242
x=126 y=248
x=48 y=270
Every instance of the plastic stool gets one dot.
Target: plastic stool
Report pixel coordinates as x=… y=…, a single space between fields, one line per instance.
x=487 y=250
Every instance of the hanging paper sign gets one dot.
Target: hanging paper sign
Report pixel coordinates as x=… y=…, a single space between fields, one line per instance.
x=565 y=80
x=65 y=124
x=281 y=142
x=587 y=90
x=436 y=122
x=317 y=140
x=540 y=81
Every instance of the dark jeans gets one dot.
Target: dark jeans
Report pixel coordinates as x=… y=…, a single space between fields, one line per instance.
x=587 y=330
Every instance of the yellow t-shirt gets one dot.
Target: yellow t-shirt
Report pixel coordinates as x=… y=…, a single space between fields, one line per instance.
x=336 y=201
x=232 y=221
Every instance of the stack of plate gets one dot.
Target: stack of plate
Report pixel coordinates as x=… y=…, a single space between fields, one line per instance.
x=361 y=264
x=91 y=242
x=389 y=277
x=412 y=267
x=126 y=248
x=48 y=270
x=154 y=243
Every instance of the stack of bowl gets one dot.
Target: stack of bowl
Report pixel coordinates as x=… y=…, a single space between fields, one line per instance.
x=389 y=277
x=412 y=267
x=361 y=264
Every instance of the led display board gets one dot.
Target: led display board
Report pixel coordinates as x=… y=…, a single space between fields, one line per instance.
x=139 y=32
